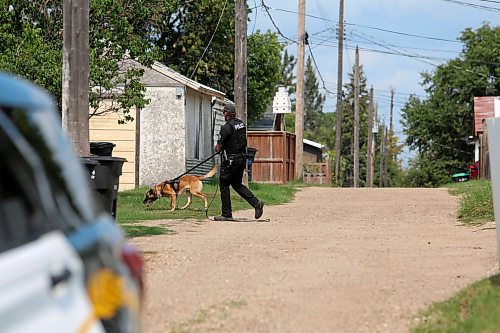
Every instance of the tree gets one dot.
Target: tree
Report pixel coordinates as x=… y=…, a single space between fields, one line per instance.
x=32 y=42
x=264 y=64
x=348 y=129
x=287 y=74
x=438 y=126
x=313 y=100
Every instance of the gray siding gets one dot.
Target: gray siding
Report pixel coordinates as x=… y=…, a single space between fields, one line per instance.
x=162 y=138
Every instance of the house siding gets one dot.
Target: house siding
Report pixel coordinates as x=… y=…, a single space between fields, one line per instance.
x=162 y=136
x=106 y=129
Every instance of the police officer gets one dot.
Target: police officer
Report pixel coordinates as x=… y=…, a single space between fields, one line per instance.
x=232 y=145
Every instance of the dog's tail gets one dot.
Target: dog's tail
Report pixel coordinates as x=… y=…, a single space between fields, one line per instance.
x=211 y=173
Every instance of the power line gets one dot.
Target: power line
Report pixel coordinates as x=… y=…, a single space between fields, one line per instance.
x=468 y=4
x=266 y=8
x=369 y=27
x=317 y=68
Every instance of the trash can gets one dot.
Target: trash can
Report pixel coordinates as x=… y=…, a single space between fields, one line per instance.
x=90 y=165
x=102 y=148
x=250 y=158
x=107 y=179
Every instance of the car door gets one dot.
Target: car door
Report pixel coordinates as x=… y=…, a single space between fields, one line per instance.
x=42 y=286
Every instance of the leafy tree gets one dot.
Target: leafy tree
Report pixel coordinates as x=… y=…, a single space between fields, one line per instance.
x=313 y=100
x=264 y=75
x=437 y=126
x=32 y=44
x=196 y=38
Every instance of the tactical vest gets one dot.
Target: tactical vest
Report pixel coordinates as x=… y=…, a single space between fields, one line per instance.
x=237 y=143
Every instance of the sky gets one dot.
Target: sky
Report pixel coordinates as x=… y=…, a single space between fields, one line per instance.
x=425 y=30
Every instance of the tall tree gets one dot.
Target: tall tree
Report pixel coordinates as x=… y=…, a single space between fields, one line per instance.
x=438 y=126
x=348 y=129
x=32 y=42
x=288 y=73
x=313 y=100
x=264 y=75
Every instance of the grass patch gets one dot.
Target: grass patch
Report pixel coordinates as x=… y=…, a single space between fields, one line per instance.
x=130 y=208
x=476 y=201
x=208 y=319
x=474 y=309
x=143 y=230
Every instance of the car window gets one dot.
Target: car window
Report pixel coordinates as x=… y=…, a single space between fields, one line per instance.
x=22 y=213
x=74 y=203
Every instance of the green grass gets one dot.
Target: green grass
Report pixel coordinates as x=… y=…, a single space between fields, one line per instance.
x=143 y=230
x=131 y=210
x=474 y=309
x=476 y=201
x=477 y=307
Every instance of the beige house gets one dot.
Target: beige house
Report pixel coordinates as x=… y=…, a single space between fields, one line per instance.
x=174 y=132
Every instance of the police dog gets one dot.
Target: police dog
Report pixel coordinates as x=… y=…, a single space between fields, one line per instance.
x=171 y=189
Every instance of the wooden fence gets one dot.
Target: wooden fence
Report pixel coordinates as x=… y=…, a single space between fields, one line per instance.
x=274 y=161
x=318 y=173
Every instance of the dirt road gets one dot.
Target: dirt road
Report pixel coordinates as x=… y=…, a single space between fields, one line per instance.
x=333 y=260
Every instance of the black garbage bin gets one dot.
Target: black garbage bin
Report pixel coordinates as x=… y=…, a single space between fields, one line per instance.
x=102 y=148
x=107 y=179
x=90 y=165
x=250 y=158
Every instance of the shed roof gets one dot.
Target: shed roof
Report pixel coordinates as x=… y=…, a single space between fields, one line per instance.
x=160 y=75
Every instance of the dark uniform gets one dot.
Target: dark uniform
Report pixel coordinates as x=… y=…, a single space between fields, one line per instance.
x=233 y=145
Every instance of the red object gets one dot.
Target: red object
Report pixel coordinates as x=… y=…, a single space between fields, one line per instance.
x=474 y=170
x=134 y=262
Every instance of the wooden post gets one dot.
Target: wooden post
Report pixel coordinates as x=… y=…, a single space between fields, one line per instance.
x=338 y=125
x=240 y=66
x=369 y=152
x=299 y=92
x=381 y=164
x=356 y=120
x=75 y=74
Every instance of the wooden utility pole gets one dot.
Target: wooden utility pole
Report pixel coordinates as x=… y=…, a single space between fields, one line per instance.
x=240 y=61
x=382 y=156
x=240 y=66
x=391 y=128
x=299 y=93
x=369 y=152
x=75 y=74
x=356 y=120
x=386 y=157
x=338 y=126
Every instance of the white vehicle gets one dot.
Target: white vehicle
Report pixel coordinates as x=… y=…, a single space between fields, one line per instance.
x=65 y=266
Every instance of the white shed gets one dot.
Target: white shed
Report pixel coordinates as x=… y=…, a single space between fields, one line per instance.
x=174 y=132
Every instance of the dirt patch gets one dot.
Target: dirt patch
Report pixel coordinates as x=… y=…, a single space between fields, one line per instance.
x=334 y=260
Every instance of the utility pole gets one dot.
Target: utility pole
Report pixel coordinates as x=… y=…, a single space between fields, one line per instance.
x=382 y=156
x=75 y=74
x=391 y=128
x=240 y=65
x=338 y=126
x=369 y=152
x=240 y=61
x=356 y=120
x=299 y=92
x=386 y=157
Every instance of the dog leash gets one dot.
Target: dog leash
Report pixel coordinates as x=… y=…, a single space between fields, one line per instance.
x=197 y=165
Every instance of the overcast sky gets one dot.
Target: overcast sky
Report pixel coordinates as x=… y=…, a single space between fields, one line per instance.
x=426 y=30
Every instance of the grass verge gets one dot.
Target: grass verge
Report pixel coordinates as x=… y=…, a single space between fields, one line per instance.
x=477 y=307
x=476 y=201
x=131 y=210
x=474 y=309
